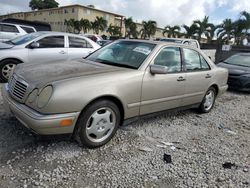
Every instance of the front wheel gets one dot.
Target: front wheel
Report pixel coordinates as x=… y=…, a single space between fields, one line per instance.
x=208 y=100
x=97 y=124
x=6 y=68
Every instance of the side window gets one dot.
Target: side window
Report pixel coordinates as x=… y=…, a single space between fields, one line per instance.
x=169 y=57
x=75 y=42
x=52 y=42
x=192 y=60
x=9 y=28
x=27 y=29
x=204 y=64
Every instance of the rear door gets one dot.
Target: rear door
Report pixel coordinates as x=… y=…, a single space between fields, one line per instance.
x=198 y=76
x=51 y=48
x=163 y=91
x=78 y=47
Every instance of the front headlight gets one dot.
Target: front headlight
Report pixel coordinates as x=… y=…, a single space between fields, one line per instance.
x=44 y=96
x=32 y=96
x=246 y=75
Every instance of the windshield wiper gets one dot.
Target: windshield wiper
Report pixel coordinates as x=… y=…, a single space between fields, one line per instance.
x=9 y=42
x=115 y=64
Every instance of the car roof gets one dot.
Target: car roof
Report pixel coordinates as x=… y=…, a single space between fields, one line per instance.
x=180 y=39
x=243 y=54
x=162 y=43
x=6 y=23
x=58 y=33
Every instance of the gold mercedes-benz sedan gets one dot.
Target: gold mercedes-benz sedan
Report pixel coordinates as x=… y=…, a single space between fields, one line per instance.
x=91 y=97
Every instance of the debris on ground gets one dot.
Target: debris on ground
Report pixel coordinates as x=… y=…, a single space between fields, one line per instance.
x=228 y=165
x=167 y=158
x=145 y=149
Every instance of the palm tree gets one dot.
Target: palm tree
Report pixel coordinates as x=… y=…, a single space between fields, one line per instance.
x=190 y=30
x=100 y=24
x=246 y=20
x=203 y=27
x=77 y=26
x=148 y=28
x=69 y=25
x=85 y=25
x=239 y=26
x=130 y=28
x=114 y=30
x=172 y=31
x=226 y=31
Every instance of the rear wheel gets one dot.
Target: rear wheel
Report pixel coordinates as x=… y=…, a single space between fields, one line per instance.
x=6 y=68
x=98 y=124
x=208 y=100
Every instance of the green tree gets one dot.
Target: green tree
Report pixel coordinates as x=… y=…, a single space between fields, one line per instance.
x=77 y=26
x=42 y=4
x=130 y=28
x=245 y=21
x=148 y=28
x=190 y=30
x=70 y=25
x=114 y=30
x=239 y=26
x=225 y=31
x=85 y=25
x=172 y=31
x=203 y=27
x=100 y=24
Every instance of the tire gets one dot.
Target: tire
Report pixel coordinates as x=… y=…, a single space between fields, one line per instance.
x=6 y=66
x=208 y=101
x=97 y=124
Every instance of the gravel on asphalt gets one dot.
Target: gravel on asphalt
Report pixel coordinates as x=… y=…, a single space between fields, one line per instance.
x=200 y=146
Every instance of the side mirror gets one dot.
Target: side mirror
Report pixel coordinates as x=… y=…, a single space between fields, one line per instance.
x=34 y=45
x=158 y=69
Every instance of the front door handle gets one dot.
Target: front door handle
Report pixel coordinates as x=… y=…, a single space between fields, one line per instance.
x=181 y=79
x=62 y=52
x=208 y=76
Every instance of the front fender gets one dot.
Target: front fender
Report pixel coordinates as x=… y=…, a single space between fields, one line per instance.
x=73 y=95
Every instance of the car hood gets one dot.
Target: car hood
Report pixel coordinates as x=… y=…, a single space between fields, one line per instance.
x=5 y=45
x=235 y=69
x=50 y=72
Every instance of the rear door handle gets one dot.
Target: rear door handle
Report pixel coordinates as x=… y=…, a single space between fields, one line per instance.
x=208 y=76
x=180 y=79
x=62 y=52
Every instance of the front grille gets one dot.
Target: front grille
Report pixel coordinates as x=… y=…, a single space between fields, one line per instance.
x=17 y=88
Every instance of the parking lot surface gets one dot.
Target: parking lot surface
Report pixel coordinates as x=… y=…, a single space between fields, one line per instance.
x=203 y=150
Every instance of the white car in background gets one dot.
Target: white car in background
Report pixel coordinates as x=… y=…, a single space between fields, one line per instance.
x=9 y=31
x=191 y=42
x=41 y=47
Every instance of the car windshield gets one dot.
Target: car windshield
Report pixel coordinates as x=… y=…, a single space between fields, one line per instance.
x=130 y=54
x=25 y=38
x=241 y=60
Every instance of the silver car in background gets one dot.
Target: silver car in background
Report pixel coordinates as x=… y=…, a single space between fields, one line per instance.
x=126 y=79
x=42 y=47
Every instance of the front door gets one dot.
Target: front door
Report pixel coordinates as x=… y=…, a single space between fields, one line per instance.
x=51 y=49
x=163 y=91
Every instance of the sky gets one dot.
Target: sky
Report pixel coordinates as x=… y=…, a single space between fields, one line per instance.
x=165 y=12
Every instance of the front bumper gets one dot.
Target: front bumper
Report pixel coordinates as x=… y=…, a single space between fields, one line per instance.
x=240 y=83
x=39 y=123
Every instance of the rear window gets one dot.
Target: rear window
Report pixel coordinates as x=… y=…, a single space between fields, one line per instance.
x=75 y=42
x=28 y=29
x=8 y=28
